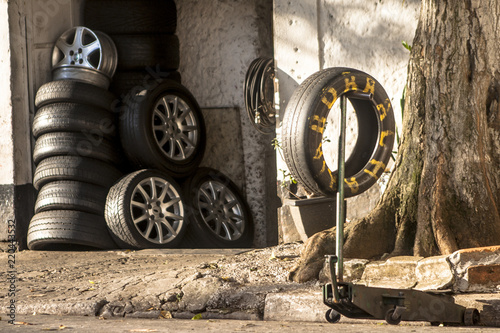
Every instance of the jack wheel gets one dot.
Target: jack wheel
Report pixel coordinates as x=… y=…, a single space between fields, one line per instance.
x=471 y=317
x=332 y=316
x=389 y=318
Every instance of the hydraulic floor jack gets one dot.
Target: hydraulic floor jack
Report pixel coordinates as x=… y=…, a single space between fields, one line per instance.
x=393 y=305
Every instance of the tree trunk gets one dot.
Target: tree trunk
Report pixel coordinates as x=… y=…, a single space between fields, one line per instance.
x=444 y=193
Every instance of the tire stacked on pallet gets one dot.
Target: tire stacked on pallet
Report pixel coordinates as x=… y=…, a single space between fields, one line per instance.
x=144 y=34
x=76 y=150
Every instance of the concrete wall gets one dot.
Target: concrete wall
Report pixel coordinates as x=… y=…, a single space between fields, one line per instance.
x=367 y=35
x=218 y=41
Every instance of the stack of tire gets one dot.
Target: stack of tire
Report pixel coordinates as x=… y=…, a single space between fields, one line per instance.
x=76 y=152
x=144 y=35
x=162 y=132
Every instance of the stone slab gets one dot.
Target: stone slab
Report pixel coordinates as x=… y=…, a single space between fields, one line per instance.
x=353 y=270
x=461 y=260
x=395 y=272
x=304 y=305
x=434 y=273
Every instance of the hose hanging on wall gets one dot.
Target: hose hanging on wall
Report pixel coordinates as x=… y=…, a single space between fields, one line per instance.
x=259 y=95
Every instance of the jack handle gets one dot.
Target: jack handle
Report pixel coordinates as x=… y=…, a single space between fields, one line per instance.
x=331 y=260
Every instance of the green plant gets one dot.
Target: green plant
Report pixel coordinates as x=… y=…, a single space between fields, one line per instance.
x=406 y=46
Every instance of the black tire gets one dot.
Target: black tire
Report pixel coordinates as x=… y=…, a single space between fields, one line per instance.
x=66 y=230
x=216 y=222
x=71 y=195
x=389 y=318
x=72 y=117
x=125 y=82
x=332 y=316
x=131 y=16
x=74 y=144
x=72 y=91
x=136 y=52
x=178 y=146
x=471 y=317
x=304 y=123
x=143 y=215
x=77 y=168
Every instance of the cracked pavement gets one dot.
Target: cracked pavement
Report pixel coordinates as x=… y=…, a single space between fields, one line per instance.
x=180 y=283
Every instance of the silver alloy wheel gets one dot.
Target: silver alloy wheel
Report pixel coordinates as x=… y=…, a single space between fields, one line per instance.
x=221 y=210
x=83 y=54
x=175 y=127
x=157 y=210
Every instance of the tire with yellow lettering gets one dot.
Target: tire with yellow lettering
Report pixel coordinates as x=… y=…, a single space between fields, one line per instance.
x=305 y=121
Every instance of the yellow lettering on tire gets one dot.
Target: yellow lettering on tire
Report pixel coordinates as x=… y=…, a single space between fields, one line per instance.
x=333 y=180
x=370 y=86
x=325 y=100
x=383 y=109
x=383 y=135
x=320 y=127
x=353 y=185
x=350 y=84
x=319 y=152
x=377 y=166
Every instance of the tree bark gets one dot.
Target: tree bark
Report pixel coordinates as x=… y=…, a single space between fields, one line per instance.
x=444 y=193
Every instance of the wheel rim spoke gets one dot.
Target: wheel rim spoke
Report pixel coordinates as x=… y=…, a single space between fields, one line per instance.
x=153 y=188
x=145 y=195
x=166 y=104
x=141 y=218
x=150 y=227
x=208 y=197
x=187 y=140
x=170 y=228
x=182 y=152
x=171 y=143
x=163 y=193
x=161 y=115
x=235 y=216
x=190 y=128
x=78 y=40
x=184 y=115
x=229 y=205
x=141 y=205
x=173 y=216
x=175 y=111
x=228 y=228
x=218 y=227
x=172 y=202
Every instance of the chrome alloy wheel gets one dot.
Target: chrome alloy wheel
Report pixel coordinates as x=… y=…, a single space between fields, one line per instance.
x=157 y=210
x=175 y=127
x=81 y=53
x=221 y=210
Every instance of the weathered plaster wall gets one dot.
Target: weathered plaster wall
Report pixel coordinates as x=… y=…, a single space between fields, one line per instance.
x=218 y=41
x=367 y=35
x=6 y=139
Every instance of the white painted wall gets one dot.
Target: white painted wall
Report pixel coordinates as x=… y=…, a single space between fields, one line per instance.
x=310 y=35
